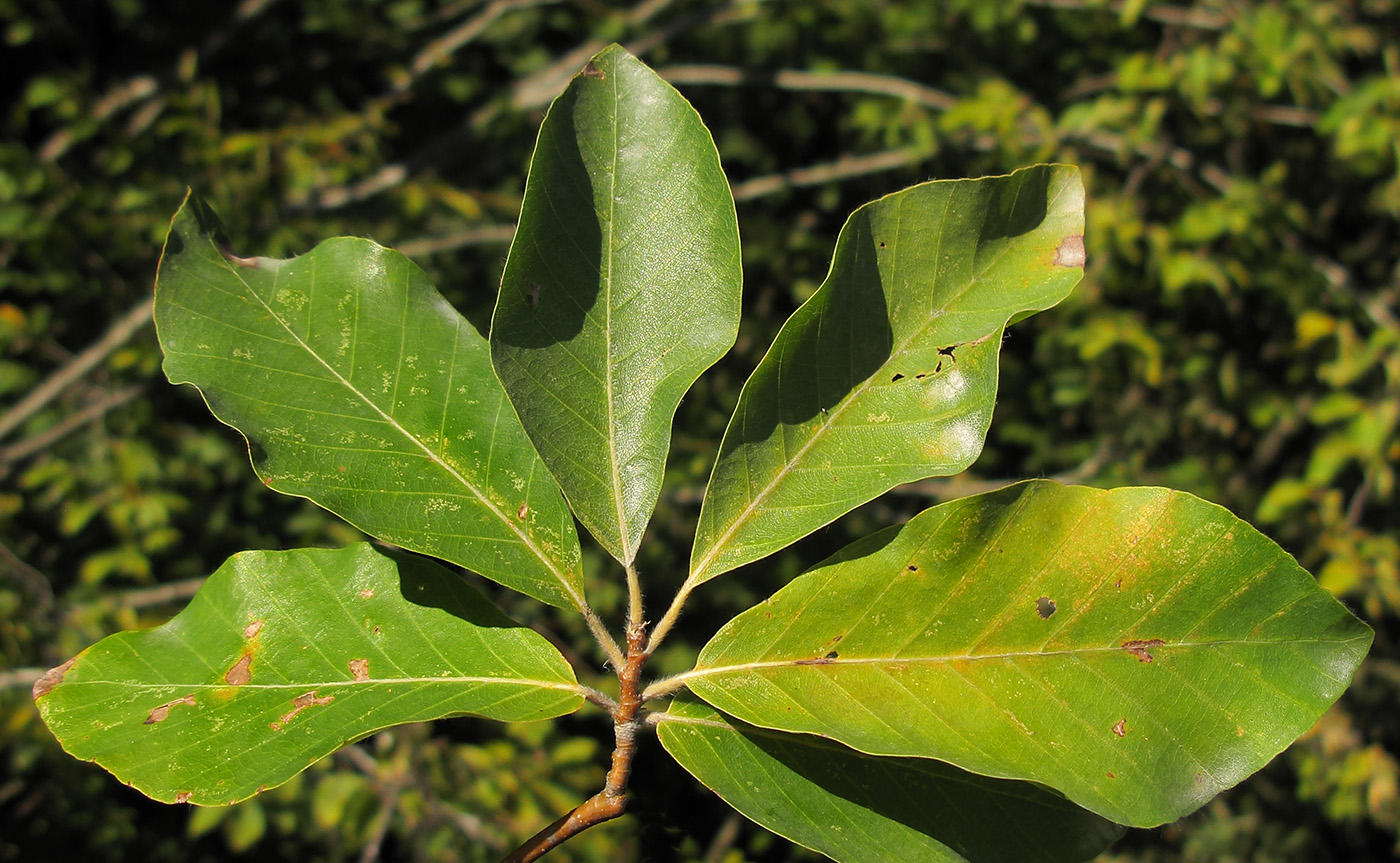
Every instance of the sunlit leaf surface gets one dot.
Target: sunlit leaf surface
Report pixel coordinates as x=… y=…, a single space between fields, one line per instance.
x=284 y=657
x=888 y=373
x=358 y=386
x=622 y=286
x=1140 y=650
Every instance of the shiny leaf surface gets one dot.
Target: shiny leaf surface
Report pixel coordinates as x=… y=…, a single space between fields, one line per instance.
x=622 y=286
x=358 y=386
x=1139 y=650
x=284 y=657
x=888 y=374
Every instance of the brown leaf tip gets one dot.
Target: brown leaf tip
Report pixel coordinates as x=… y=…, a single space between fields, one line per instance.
x=1070 y=252
x=50 y=679
x=359 y=669
x=241 y=672
x=1045 y=606
x=1139 y=648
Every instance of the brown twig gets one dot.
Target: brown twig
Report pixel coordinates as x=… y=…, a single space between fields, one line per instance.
x=611 y=802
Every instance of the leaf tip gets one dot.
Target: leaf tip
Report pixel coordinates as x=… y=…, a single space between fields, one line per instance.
x=51 y=678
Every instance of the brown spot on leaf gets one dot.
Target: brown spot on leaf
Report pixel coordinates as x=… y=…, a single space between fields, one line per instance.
x=912 y=568
x=300 y=703
x=1139 y=647
x=241 y=672
x=183 y=797
x=1070 y=252
x=51 y=678
x=160 y=713
x=1111 y=775
x=592 y=71
x=522 y=512
x=1045 y=606
x=1120 y=727
x=359 y=669
x=366 y=594
x=252 y=629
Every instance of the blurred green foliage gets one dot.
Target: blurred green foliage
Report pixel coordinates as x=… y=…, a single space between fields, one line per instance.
x=1236 y=336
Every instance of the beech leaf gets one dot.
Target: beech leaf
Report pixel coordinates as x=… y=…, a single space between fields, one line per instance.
x=1139 y=650
x=622 y=286
x=888 y=374
x=858 y=808
x=358 y=386
x=284 y=657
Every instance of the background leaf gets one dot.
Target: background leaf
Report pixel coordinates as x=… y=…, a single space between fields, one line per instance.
x=859 y=808
x=1139 y=650
x=622 y=286
x=359 y=387
x=888 y=373
x=284 y=657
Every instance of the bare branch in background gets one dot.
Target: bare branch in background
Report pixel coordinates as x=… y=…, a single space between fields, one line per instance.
x=1196 y=19
x=829 y=172
x=117 y=335
x=142 y=88
x=797 y=79
x=42 y=441
x=147 y=597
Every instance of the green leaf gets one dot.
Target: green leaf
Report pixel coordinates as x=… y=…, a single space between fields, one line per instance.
x=1139 y=650
x=888 y=373
x=358 y=386
x=622 y=286
x=284 y=657
x=858 y=808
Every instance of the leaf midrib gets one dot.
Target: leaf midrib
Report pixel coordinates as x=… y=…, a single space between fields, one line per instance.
x=821 y=662
x=524 y=537
x=298 y=686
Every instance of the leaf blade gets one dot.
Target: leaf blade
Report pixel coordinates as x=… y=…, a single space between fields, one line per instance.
x=621 y=287
x=888 y=373
x=284 y=657
x=857 y=808
x=359 y=387
x=1092 y=641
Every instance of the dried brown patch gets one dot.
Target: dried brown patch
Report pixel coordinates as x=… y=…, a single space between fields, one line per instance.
x=367 y=594
x=592 y=71
x=51 y=678
x=1139 y=647
x=359 y=669
x=522 y=512
x=241 y=672
x=1120 y=727
x=253 y=629
x=1070 y=252
x=160 y=713
x=300 y=703
x=183 y=797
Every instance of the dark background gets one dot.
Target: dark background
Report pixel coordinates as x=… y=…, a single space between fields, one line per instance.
x=1235 y=336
